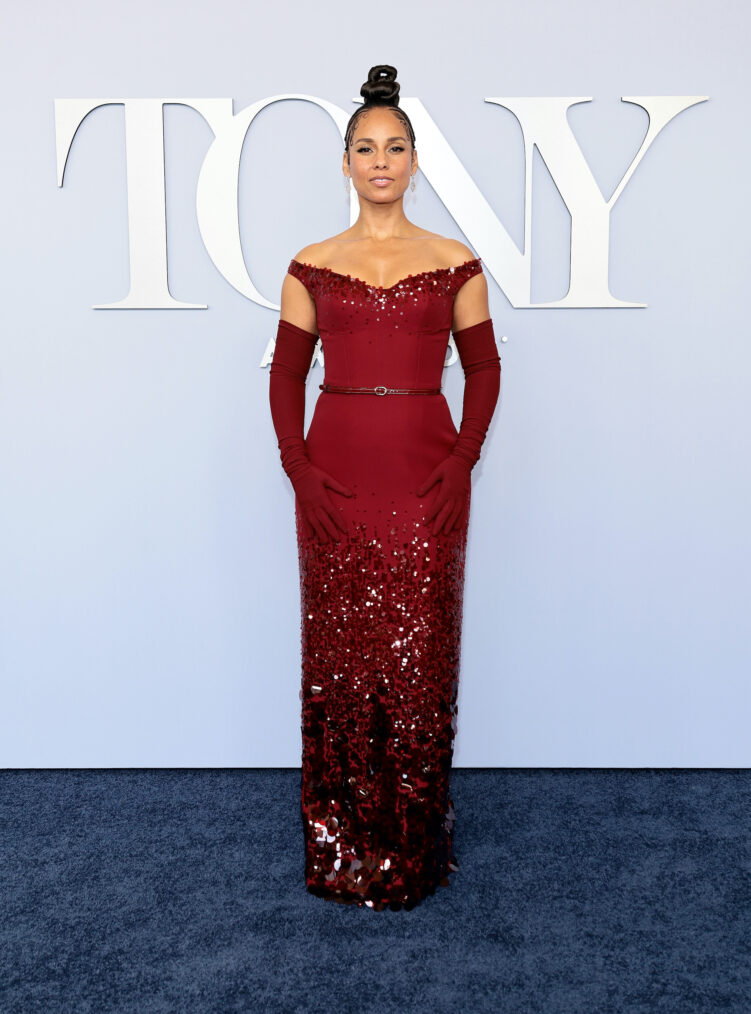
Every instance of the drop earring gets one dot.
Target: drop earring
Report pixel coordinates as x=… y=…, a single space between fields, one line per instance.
x=346 y=183
x=412 y=183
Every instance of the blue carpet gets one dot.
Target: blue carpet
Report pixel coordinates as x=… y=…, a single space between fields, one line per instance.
x=579 y=891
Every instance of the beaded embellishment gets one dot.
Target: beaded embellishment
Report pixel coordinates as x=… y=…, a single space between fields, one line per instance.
x=322 y=281
x=306 y=271
x=381 y=622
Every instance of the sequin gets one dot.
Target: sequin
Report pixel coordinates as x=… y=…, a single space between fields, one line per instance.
x=338 y=295
x=381 y=608
x=380 y=634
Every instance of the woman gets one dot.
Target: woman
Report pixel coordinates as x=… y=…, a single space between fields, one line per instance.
x=382 y=500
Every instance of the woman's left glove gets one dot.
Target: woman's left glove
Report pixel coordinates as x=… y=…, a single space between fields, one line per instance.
x=452 y=498
x=479 y=357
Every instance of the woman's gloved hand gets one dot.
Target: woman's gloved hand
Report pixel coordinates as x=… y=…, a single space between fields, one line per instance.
x=316 y=506
x=452 y=497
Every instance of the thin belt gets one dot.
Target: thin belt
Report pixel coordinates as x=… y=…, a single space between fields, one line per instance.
x=341 y=389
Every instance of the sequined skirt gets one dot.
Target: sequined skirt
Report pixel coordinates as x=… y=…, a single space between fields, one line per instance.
x=381 y=620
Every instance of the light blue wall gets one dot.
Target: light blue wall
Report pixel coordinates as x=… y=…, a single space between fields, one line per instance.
x=150 y=598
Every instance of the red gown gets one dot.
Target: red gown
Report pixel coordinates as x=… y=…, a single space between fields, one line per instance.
x=381 y=609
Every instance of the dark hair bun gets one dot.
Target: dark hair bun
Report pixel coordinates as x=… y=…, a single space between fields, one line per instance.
x=381 y=88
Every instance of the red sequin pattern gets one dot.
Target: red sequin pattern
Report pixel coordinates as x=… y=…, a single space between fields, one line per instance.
x=381 y=627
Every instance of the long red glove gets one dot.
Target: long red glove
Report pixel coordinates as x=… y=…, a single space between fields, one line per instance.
x=293 y=354
x=482 y=372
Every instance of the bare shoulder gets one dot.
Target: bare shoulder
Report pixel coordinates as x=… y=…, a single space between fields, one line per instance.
x=325 y=252
x=453 y=251
x=297 y=300
x=314 y=254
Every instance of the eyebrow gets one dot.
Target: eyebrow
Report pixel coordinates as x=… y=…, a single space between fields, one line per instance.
x=388 y=139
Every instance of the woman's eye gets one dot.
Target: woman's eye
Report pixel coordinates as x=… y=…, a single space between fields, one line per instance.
x=394 y=147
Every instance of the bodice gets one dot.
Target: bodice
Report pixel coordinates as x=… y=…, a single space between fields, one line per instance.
x=395 y=335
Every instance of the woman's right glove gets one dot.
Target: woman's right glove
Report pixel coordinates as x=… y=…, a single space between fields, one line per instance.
x=293 y=354
x=310 y=484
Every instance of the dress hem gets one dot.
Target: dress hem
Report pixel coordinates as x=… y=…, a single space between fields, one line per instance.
x=345 y=897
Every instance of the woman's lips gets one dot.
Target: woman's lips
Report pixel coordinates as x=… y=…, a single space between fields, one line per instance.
x=383 y=182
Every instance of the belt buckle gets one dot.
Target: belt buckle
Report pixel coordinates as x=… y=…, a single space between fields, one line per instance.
x=380 y=390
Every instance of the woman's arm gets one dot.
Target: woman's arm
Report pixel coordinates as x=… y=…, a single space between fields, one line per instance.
x=475 y=343
x=482 y=382
x=293 y=354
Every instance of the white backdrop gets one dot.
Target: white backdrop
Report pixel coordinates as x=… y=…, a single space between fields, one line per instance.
x=149 y=611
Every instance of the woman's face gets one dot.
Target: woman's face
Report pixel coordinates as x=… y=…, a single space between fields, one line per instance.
x=380 y=150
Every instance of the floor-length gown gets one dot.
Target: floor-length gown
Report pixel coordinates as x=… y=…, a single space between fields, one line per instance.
x=381 y=609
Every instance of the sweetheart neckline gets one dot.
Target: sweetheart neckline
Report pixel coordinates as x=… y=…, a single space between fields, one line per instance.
x=385 y=288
